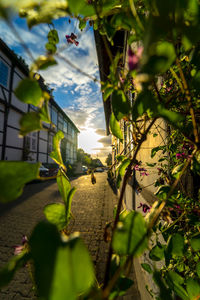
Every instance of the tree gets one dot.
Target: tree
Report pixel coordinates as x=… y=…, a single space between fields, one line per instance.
x=109 y=159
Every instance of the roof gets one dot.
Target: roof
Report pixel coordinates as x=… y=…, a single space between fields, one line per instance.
x=21 y=64
x=104 y=64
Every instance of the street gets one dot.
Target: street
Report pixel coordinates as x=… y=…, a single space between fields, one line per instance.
x=92 y=207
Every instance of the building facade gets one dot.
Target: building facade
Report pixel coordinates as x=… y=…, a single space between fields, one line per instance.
x=36 y=146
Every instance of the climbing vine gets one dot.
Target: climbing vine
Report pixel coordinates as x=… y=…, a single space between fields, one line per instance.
x=160 y=80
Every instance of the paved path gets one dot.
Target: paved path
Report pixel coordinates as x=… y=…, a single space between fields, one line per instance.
x=92 y=207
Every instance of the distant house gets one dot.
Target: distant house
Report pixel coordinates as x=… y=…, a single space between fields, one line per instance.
x=36 y=146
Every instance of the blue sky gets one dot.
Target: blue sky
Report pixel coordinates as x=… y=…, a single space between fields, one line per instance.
x=78 y=95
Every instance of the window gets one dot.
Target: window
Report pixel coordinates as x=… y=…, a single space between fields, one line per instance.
x=31 y=141
x=50 y=144
x=54 y=116
x=60 y=122
x=72 y=133
x=4 y=69
x=65 y=127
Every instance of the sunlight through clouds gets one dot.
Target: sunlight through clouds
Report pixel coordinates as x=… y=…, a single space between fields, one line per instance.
x=78 y=95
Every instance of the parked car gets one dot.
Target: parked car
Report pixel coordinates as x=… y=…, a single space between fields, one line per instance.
x=84 y=169
x=44 y=172
x=99 y=169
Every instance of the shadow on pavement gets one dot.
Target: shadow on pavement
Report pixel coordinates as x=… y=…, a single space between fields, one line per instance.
x=29 y=190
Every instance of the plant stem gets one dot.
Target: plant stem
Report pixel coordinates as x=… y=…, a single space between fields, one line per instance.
x=125 y=180
x=188 y=97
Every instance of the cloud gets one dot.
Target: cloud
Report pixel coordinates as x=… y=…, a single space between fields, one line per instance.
x=78 y=95
x=106 y=141
x=101 y=131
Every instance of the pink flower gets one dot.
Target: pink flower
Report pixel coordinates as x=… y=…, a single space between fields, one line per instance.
x=144 y=174
x=20 y=248
x=133 y=58
x=72 y=39
x=181 y=155
x=145 y=207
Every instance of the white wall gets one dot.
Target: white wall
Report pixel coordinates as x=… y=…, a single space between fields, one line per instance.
x=42 y=146
x=13 y=139
x=42 y=158
x=13 y=154
x=19 y=104
x=13 y=118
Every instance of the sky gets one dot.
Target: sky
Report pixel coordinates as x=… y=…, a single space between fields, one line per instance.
x=78 y=95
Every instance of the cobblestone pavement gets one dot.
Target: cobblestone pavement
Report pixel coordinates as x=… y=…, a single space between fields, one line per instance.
x=92 y=207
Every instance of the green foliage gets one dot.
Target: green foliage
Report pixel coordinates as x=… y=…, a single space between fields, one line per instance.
x=157 y=252
x=13 y=177
x=147 y=267
x=81 y=7
x=29 y=122
x=55 y=214
x=56 y=154
x=176 y=245
x=29 y=91
x=175 y=282
x=63 y=269
x=195 y=243
x=130 y=235
x=193 y=288
x=121 y=170
x=165 y=81
x=115 y=127
x=120 y=104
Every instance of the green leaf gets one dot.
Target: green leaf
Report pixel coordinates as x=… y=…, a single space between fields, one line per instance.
x=121 y=170
x=156 y=149
x=193 y=288
x=161 y=56
x=157 y=252
x=68 y=203
x=64 y=185
x=13 y=177
x=175 y=118
x=150 y=165
x=51 y=47
x=115 y=127
x=195 y=244
x=56 y=154
x=30 y=121
x=108 y=91
x=44 y=112
x=55 y=214
x=121 y=287
x=130 y=235
x=146 y=102
x=120 y=104
x=176 y=245
x=44 y=62
x=53 y=36
x=82 y=24
x=29 y=91
x=165 y=293
x=175 y=282
x=177 y=170
x=147 y=268
x=63 y=270
x=162 y=192
x=8 y=271
x=198 y=269
x=81 y=7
